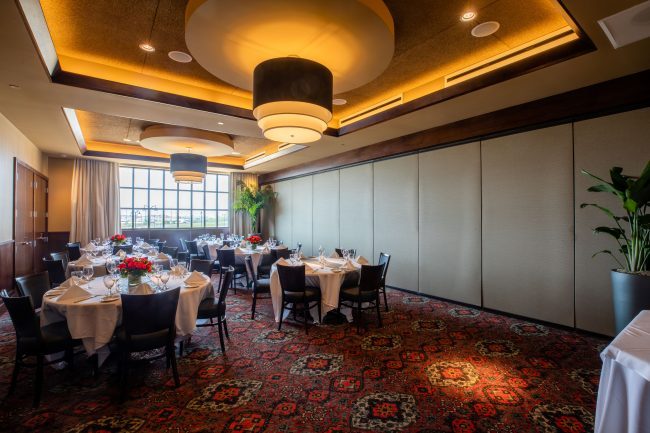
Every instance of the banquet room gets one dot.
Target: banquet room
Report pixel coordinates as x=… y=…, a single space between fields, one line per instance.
x=325 y=216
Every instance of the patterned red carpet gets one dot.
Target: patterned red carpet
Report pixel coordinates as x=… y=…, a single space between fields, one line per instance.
x=433 y=367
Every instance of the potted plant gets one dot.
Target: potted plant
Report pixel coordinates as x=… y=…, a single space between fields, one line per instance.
x=251 y=201
x=118 y=239
x=631 y=231
x=134 y=269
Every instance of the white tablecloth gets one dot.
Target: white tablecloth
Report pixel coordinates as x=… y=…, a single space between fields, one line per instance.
x=316 y=275
x=623 y=404
x=94 y=322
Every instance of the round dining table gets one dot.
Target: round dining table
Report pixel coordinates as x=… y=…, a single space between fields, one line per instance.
x=93 y=318
x=99 y=264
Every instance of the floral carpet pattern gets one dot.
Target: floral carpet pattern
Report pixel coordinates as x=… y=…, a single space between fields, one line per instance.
x=433 y=367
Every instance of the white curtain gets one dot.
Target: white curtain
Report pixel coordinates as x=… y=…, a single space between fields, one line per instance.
x=240 y=221
x=95 y=200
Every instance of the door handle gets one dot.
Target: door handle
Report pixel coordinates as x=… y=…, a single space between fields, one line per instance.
x=24 y=243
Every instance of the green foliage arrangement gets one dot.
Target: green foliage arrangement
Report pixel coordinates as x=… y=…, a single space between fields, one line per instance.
x=252 y=200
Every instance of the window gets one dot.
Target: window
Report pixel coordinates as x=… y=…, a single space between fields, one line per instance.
x=150 y=198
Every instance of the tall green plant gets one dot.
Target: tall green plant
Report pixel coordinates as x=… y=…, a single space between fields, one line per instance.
x=632 y=230
x=252 y=200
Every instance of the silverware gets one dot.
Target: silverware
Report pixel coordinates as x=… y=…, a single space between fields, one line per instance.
x=85 y=299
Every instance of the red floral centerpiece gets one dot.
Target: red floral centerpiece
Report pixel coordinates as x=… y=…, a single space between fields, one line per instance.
x=134 y=268
x=254 y=240
x=118 y=239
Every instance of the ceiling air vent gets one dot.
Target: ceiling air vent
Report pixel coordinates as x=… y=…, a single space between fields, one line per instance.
x=254 y=157
x=627 y=26
x=366 y=112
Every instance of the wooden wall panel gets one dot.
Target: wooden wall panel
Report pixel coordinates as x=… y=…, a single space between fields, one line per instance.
x=618 y=140
x=302 y=214
x=396 y=218
x=283 y=212
x=7 y=265
x=326 y=211
x=356 y=215
x=528 y=224
x=450 y=223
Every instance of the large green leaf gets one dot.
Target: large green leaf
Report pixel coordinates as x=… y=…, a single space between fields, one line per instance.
x=640 y=191
x=612 y=231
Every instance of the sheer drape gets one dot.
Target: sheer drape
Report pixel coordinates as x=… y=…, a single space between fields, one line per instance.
x=239 y=221
x=95 y=200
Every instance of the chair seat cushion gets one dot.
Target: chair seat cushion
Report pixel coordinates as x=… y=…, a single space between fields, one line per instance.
x=263 y=284
x=142 y=342
x=311 y=294
x=354 y=294
x=55 y=338
x=209 y=308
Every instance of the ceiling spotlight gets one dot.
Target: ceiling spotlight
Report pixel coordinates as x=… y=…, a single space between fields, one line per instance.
x=292 y=99
x=235 y=153
x=179 y=56
x=339 y=101
x=468 y=16
x=219 y=123
x=127 y=140
x=485 y=29
x=147 y=47
x=14 y=86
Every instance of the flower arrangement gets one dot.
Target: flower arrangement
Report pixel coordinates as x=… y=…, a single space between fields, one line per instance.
x=135 y=268
x=118 y=239
x=254 y=240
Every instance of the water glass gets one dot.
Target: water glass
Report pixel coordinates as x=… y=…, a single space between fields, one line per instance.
x=164 y=277
x=76 y=276
x=88 y=272
x=109 y=282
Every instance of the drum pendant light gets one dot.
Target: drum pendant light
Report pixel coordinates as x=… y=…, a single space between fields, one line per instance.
x=188 y=167
x=292 y=99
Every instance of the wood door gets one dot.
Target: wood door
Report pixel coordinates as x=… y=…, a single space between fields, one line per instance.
x=23 y=220
x=40 y=222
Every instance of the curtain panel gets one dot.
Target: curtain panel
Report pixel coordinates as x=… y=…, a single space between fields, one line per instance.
x=239 y=221
x=95 y=200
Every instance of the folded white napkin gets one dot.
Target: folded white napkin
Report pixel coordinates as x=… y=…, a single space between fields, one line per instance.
x=334 y=255
x=176 y=271
x=145 y=245
x=195 y=278
x=83 y=261
x=240 y=250
x=141 y=289
x=226 y=247
x=281 y=261
x=74 y=293
x=281 y=247
x=362 y=260
x=90 y=247
x=121 y=253
x=266 y=250
x=162 y=256
x=349 y=266
x=66 y=284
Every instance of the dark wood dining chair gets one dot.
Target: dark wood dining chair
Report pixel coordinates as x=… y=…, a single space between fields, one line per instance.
x=128 y=249
x=34 y=286
x=55 y=271
x=296 y=293
x=203 y=266
x=74 y=250
x=215 y=308
x=226 y=259
x=170 y=251
x=259 y=285
x=32 y=339
x=63 y=256
x=148 y=323
x=384 y=260
x=366 y=292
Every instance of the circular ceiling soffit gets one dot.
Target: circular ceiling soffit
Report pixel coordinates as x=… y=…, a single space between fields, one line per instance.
x=177 y=139
x=179 y=56
x=354 y=39
x=485 y=29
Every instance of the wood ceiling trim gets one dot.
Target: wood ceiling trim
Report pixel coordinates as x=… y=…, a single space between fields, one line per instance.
x=135 y=157
x=617 y=95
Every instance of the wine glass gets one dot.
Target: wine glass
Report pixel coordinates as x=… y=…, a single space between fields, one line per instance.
x=76 y=276
x=164 y=277
x=109 y=282
x=88 y=272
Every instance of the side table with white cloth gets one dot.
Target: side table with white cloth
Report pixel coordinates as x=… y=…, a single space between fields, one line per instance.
x=329 y=276
x=94 y=321
x=623 y=404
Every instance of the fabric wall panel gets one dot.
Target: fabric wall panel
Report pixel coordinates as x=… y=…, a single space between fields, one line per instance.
x=600 y=144
x=302 y=213
x=396 y=218
x=527 y=184
x=450 y=223
x=326 y=211
x=356 y=210
x=283 y=211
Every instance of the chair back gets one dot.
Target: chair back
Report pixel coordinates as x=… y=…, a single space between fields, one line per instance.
x=171 y=251
x=226 y=257
x=225 y=282
x=74 y=250
x=292 y=278
x=339 y=251
x=153 y=242
x=192 y=248
x=34 y=286
x=55 y=270
x=200 y=265
x=250 y=270
x=206 y=251
x=183 y=245
x=63 y=256
x=370 y=278
x=23 y=317
x=126 y=248
x=277 y=254
x=146 y=314
x=161 y=245
x=384 y=260
x=227 y=243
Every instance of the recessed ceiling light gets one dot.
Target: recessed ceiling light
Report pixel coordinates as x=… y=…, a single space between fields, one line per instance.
x=127 y=140
x=14 y=86
x=485 y=29
x=339 y=101
x=219 y=123
x=468 y=16
x=179 y=56
x=147 y=47
x=235 y=153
